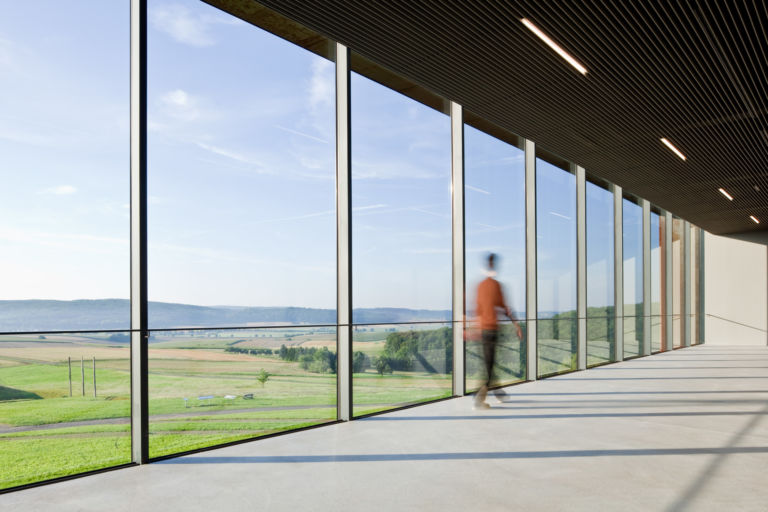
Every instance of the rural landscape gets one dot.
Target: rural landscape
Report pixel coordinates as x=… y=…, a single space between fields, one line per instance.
x=65 y=398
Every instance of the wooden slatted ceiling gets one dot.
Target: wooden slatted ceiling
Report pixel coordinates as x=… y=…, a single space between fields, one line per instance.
x=696 y=73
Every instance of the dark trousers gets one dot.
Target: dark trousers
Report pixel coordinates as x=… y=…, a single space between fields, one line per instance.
x=489 y=339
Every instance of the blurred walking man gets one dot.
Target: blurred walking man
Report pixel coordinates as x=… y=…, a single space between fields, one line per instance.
x=490 y=300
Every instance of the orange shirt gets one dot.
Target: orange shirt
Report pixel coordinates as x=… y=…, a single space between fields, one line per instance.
x=489 y=297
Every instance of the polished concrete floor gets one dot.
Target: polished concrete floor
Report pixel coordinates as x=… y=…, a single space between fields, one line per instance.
x=686 y=430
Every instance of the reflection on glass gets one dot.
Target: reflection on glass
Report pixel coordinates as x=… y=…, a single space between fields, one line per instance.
x=64 y=405
x=64 y=152
x=494 y=198
x=657 y=287
x=601 y=342
x=678 y=282
x=398 y=365
x=633 y=278
x=401 y=205
x=208 y=387
x=556 y=268
x=241 y=173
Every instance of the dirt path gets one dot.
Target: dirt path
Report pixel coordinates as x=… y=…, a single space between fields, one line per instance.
x=5 y=429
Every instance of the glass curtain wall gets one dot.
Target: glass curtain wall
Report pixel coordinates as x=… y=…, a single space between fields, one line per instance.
x=401 y=247
x=64 y=232
x=601 y=340
x=242 y=230
x=657 y=282
x=678 y=282
x=556 y=266
x=494 y=222
x=632 y=241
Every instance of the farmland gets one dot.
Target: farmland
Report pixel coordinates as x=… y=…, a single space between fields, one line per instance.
x=205 y=388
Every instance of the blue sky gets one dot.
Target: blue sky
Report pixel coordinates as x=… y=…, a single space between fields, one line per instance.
x=241 y=172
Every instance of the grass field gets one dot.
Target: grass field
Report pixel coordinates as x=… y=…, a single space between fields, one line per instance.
x=46 y=433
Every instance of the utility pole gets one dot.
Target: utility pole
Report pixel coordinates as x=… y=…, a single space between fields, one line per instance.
x=69 y=365
x=82 y=374
x=94 y=376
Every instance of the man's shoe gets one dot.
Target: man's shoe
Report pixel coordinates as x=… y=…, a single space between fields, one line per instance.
x=481 y=405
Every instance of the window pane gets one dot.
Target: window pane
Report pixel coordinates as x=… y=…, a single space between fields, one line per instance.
x=398 y=365
x=401 y=245
x=556 y=267
x=64 y=234
x=633 y=278
x=494 y=220
x=401 y=206
x=241 y=174
x=242 y=229
x=65 y=404
x=209 y=387
x=601 y=342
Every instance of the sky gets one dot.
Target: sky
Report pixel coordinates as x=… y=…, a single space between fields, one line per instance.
x=241 y=165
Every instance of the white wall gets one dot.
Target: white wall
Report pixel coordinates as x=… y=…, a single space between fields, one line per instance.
x=735 y=292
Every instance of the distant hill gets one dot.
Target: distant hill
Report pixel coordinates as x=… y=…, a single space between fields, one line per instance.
x=114 y=314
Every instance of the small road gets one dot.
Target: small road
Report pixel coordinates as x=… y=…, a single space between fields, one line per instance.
x=6 y=429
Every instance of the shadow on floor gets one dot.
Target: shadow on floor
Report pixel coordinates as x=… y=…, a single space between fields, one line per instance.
x=388 y=457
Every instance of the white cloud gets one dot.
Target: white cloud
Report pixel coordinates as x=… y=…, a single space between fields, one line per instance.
x=181 y=105
x=302 y=134
x=61 y=190
x=477 y=189
x=228 y=153
x=186 y=26
x=321 y=85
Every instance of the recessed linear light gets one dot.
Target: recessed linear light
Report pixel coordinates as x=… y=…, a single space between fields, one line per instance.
x=573 y=62
x=726 y=194
x=754 y=219
x=673 y=148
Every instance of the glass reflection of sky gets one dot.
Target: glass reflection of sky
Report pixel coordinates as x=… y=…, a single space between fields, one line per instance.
x=555 y=239
x=494 y=218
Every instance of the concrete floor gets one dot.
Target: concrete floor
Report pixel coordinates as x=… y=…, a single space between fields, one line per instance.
x=686 y=430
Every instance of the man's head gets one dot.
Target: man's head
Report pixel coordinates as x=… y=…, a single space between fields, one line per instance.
x=491 y=263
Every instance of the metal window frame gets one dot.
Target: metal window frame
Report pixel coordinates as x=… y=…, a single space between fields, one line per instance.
x=581 y=267
x=647 y=311
x=344 y=399
x=138 y=216
x=669 y=336
x=686 y=278
x=530 y=260
x=457 y=256
x=618 y=277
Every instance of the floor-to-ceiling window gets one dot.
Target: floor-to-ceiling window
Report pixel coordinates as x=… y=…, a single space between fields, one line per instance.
x=601 y=340
x=657 y=282
x=64 y=234
x=494 y=220
x=678 y=281
x=401 y=246
x=632 y=242
x=556 y=265
x=241 y=228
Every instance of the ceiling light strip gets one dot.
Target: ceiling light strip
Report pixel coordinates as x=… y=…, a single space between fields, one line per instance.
x=541 y=35
x=726 y=194
x=673 y=148
x=754 y=219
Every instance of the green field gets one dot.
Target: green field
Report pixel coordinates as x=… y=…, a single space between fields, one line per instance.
x=46 y=433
